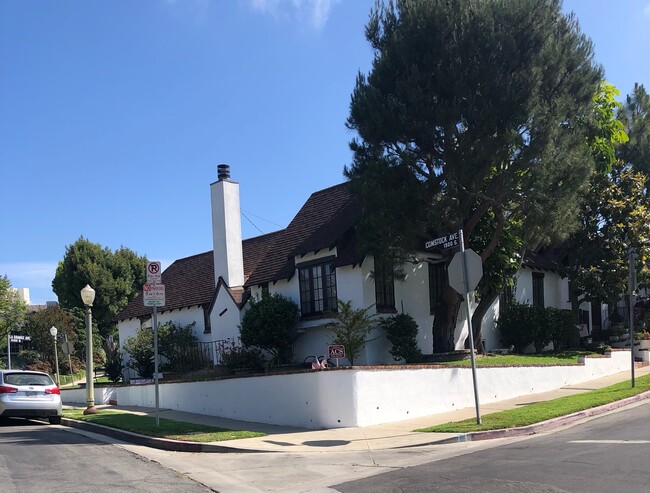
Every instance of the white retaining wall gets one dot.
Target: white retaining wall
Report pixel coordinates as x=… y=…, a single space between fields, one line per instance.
x=358 y=396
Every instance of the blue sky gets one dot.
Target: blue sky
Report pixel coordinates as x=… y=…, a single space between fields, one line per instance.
x=114 y=115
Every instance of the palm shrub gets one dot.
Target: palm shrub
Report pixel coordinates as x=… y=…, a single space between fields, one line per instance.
x=401 y=332
x=270 y=324
x=351 y=328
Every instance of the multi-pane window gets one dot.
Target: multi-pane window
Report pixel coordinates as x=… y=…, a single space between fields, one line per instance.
x=317 y=288
x=538 y=289
x=384 y=286
x=437 y=282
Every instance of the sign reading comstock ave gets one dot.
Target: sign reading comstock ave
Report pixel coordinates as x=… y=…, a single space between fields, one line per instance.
x=442 y=242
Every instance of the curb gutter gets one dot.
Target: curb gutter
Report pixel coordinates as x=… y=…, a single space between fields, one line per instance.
x=476 y=436
x=154 y=442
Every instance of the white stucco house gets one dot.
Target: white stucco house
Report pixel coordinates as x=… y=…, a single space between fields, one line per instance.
x=314 y=261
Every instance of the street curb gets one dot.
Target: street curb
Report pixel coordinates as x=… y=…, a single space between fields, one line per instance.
x=154 y=442
x=476 y=436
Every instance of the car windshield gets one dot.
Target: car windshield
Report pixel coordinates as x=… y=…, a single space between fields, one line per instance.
x=27 y=379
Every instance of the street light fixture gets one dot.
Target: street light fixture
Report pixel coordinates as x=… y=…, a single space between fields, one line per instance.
x=53 y=331
x=88 y=296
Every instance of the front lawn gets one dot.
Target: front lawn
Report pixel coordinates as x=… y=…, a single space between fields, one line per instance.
x=542 y=411
x=146 y=425
x=548 y=358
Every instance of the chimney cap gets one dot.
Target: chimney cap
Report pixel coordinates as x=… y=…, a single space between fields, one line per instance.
x=223 y=172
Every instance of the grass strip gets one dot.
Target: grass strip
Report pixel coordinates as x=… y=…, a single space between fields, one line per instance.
x=563 y=358
x=146 y=425
x=542 y=411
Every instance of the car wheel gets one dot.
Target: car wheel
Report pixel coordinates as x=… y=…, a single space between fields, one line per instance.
x=54 y=420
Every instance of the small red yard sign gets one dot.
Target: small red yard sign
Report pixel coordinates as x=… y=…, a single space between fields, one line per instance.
x=336 y=351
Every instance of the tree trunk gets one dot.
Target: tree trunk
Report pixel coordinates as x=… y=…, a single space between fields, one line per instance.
x=444 y=321
x=477 y=318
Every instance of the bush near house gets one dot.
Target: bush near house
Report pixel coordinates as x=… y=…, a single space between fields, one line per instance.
x=401 y=332
x=351 y=328
x=270 y=324
x=177 y=347
x=239 y=357
x=140 y=348
x=522 y=325
x=113 y=365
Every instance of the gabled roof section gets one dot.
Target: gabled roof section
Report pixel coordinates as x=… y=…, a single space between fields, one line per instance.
x=188 y=282
x=544 y=258
x=325 y=221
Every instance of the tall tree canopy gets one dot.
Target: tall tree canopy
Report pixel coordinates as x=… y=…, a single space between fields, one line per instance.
x=117 y=277
x=635 y=116
x=475 y=115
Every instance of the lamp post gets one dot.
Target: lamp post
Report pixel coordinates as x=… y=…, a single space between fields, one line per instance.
x=53 y=331
x=88 y=296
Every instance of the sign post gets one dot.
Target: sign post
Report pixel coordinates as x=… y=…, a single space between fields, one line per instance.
x=14 y=338
x=154 y=296
x=465 y=271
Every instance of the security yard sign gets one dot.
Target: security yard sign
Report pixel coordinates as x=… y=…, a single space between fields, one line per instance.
x=154 y=295
x=336 y=352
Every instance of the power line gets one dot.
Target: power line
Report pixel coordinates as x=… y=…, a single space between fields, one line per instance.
x=259 y=217
x=248 y=219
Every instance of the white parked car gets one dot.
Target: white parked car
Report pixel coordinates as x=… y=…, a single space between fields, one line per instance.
x=29 y=394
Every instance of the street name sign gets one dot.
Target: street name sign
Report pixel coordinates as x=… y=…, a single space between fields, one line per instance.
x=443 y=242
x=19 y=338
x=154 y=294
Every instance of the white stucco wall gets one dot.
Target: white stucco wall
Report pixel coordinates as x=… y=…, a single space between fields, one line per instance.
x=359 y=396
x=225 y=317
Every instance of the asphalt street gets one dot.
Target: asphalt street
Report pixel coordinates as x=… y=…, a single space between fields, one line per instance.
x=605 y=454
x=38 y=458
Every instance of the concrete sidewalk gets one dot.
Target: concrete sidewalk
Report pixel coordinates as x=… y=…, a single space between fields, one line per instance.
x=378 y=437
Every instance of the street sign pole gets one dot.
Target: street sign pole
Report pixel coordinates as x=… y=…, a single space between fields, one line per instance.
x=9 y=351
x=154 y=296
x=65 y=338
x=630 y=289
x=469 y=327
x=155 y=362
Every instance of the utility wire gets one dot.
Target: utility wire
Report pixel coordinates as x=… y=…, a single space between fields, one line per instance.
x=266 y=220
x=248 y=219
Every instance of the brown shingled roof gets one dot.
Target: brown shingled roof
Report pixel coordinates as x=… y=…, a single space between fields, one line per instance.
x=321 y=223
x=324 y=221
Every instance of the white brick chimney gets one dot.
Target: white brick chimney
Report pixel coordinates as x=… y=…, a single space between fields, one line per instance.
x=226 y=229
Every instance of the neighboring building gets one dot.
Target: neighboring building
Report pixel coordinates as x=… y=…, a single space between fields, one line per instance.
x=314 y=261
x=23 y=294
